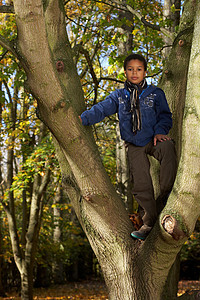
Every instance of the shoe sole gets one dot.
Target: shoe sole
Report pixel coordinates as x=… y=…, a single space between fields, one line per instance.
x=137 y=237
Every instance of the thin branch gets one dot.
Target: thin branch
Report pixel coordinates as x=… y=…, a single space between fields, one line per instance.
x=154 y=74
x=121 y=81
x=92 y=72
x=146 y=23
x=8 y=45
x=45 y=181
x=7 y=90
x=3 y=55
x=121 y=4
x=111 y=79
x=161 y=49
x=7 y=9
x=116 y=4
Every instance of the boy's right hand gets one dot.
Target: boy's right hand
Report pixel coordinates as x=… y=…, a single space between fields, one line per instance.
x=160 y=138
x=80 y=119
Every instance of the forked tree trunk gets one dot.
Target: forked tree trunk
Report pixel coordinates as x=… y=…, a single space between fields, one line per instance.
x=132 y=269
x=25 y=263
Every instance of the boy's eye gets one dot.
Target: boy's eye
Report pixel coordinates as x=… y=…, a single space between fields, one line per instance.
x=130 y=69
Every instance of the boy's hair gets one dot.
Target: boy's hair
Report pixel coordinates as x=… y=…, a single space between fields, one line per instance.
x=135 y=56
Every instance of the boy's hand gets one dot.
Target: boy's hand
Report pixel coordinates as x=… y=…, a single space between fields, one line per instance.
x=160 y=138
x=80 y=118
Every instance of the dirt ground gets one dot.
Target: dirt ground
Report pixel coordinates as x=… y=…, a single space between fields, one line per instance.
x=87 y=290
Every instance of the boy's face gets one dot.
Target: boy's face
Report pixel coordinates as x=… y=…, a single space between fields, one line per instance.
x=135 y=72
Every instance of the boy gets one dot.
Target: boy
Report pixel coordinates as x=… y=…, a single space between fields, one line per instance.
x=144 y=120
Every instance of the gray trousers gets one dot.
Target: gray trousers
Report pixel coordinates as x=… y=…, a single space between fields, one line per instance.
x=139 y=166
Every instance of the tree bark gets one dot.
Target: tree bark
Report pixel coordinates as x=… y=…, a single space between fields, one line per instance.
x=174 y=17
x=27 y=262
x=122 y=173
x=174 y=78
x=2 y=291
x=57 y=265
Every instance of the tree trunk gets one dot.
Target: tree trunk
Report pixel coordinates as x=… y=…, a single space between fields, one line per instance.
x=171 y=12
x=27 y=263
x=27 y=279
x=2 y=291
x=127 y=45
x=174 y=79
x=122 y=170
x=57 y=265
x=122 y=173
x=132 y=269
x=24 y=192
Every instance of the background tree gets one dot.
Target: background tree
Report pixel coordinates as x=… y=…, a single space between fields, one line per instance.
x=21 y=185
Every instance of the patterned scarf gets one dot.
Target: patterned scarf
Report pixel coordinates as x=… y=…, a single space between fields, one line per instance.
x=135 y=90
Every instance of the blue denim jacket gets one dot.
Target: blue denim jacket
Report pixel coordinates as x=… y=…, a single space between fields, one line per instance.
x=156 y=117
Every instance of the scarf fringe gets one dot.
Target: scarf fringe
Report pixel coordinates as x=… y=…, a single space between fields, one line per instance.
x=135 y=90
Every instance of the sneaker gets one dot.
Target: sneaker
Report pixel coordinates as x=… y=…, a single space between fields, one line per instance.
x=142 y=233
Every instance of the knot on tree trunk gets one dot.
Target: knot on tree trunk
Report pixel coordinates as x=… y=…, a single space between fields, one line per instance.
x=181 y=43
x=172 y=227
x=168 y=73
x=92 y=195
x=88 y=197
x=60 y=66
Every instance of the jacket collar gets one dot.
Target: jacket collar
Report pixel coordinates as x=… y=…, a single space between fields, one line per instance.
x=150 y=89
x=147 y=91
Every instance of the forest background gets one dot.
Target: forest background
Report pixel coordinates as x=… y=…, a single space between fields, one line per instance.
x=101 y=35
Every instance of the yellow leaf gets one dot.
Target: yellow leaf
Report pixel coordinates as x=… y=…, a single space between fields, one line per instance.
x=135 y=31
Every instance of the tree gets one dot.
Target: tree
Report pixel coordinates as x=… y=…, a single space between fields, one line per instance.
x=24 y=248
x=17 y=186
x=132 y=270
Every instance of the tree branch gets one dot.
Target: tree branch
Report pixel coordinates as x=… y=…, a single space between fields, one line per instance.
x=122 y=81
x=8 y=9
x=120 y=4
x=92 y=72
x=45 y=181
x=116 y=4
x=87 y=56
x=172 y=227
x=146 y=23
x=8 y=45
x=111 y=79
x=3 y=55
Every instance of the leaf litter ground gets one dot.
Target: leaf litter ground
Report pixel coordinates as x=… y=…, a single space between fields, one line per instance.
x=88 y=290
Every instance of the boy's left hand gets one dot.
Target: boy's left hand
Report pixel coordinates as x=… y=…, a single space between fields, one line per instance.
x=160 y=138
